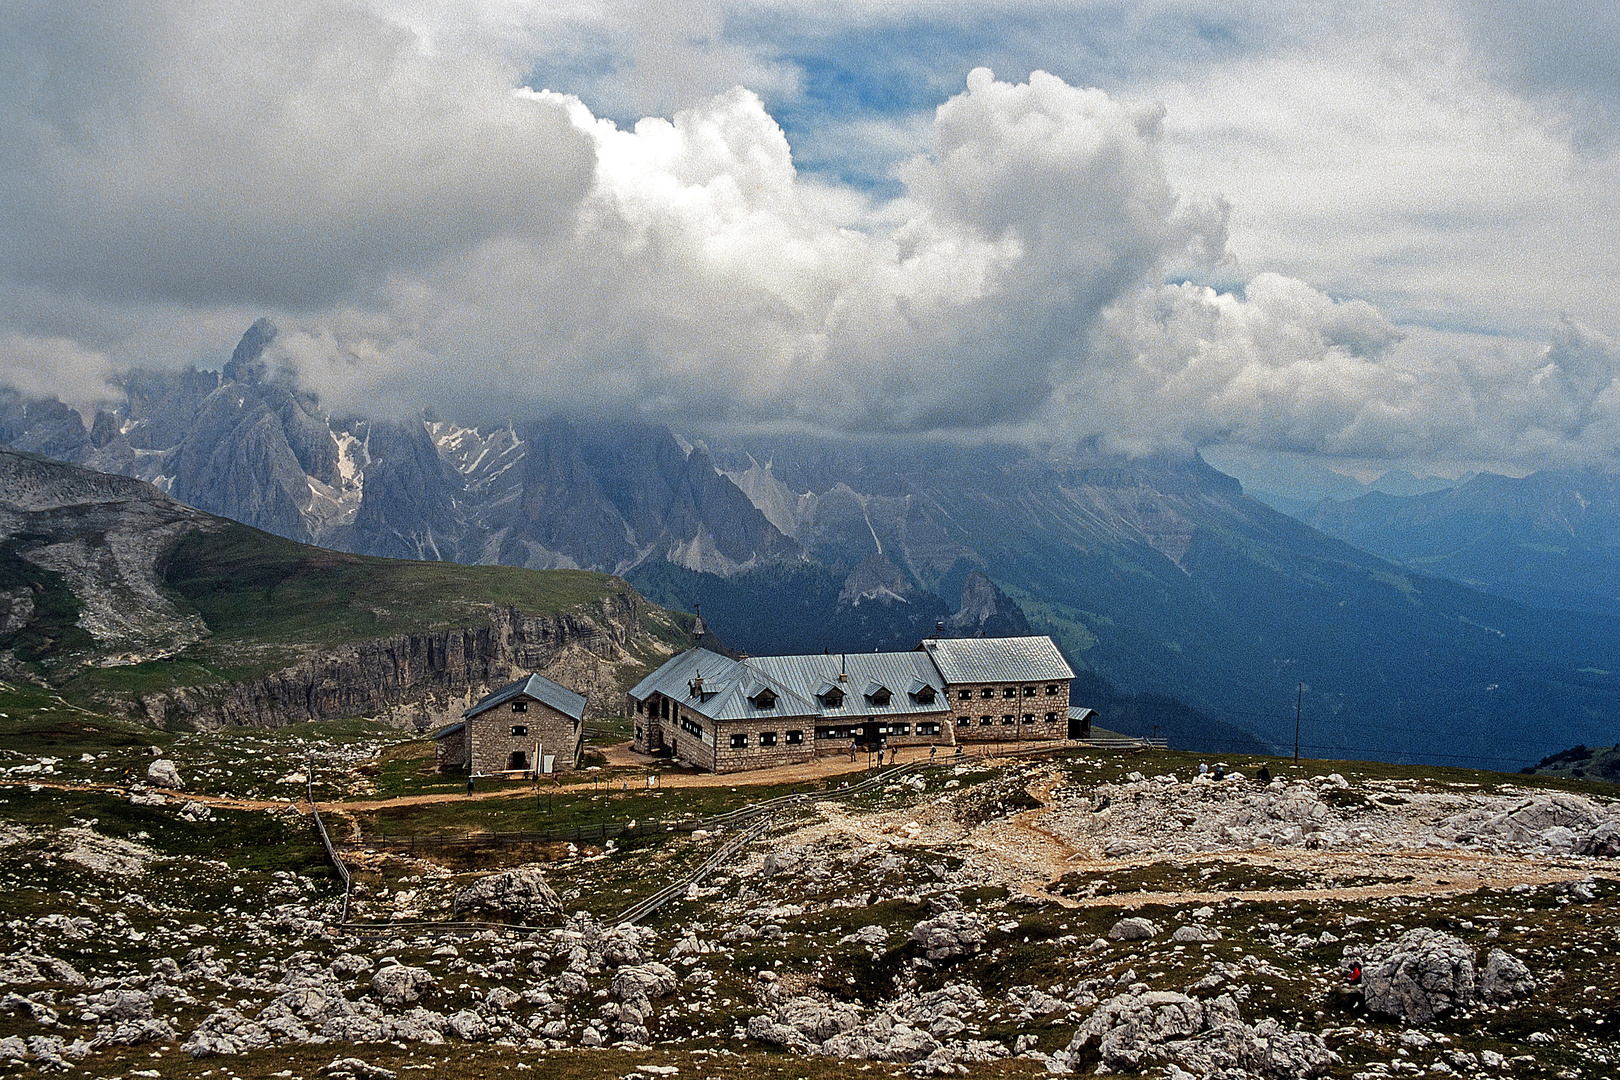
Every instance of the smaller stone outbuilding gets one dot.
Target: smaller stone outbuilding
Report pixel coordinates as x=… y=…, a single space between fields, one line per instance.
x=526 y=727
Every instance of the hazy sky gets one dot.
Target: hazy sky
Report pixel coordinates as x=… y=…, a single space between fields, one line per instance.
x=1371 y=233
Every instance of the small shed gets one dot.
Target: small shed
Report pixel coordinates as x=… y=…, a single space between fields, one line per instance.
x=528 y=726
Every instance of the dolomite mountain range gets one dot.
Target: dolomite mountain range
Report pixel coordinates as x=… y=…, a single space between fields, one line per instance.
x=1158 y=574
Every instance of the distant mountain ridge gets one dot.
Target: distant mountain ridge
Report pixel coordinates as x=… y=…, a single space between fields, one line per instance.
x=1551 y=539
x=1159 y=573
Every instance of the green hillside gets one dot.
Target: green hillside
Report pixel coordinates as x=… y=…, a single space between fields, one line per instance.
x=268 y=601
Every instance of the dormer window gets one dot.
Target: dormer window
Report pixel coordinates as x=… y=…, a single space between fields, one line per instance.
x=765 y=699
x=921 y=692
x=877 y=694
x=832 y=697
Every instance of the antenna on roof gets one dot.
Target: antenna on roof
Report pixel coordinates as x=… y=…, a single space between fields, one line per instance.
x=843 y=675
x=698 y=629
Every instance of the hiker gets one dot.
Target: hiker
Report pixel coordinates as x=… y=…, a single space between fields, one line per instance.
x=1220 y=770
x=1353 y=976
x=933 y=751
x=1203 y=769
x=469 y=784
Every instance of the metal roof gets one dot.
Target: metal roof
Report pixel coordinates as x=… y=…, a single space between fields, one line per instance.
x=674 y=677
x=451 y=730
x=538 y=687
x=798 y=682
x=1012 y=659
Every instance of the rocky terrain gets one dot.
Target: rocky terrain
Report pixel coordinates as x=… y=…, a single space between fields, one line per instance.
x=1088 y=913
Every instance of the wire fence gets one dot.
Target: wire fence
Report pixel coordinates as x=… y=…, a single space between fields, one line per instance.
x=342 y=867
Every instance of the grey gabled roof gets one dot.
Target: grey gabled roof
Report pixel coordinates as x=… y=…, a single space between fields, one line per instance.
x=540 y=689
x=798 y=682
x=1012 y=659
x=451 y=730
x=673 y=679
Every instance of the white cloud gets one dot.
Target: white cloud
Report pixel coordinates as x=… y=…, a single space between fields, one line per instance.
x=709 y=282
x=278 y=154
x=426 y=233
x=58 y=367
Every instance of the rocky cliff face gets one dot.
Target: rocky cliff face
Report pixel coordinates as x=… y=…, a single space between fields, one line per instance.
x=420 y=681
x=101 y=539
x=83 y=559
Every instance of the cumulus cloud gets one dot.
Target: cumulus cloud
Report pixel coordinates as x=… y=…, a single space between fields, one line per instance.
x=1287 y=368
x=426 y=231
x=708 y=282
x=283 y=154
x=45 y=367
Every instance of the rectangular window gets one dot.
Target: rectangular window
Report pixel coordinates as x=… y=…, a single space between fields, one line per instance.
x=519 y=731
x=767 y=738
x=794 y=738
x=986 y=721
x=1029 y=718
x=739 y=740
x=987 y=692
x=1008 y=721
x=520 y=706
x=900 y=729
x=964 y=695
x=1051 y=718
x=930 y=728
x=963 y=721
x=691 y=727
x=641 y=708
x=1009 y=691
x=1029 y=691
x=1052 y=691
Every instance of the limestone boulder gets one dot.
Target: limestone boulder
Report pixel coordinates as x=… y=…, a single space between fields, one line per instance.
x=1505 y=978
x=950 y=935
x=162 y=773
x=401 y=985
x=520 y=895
x=1422 y=976
x=1133 y=929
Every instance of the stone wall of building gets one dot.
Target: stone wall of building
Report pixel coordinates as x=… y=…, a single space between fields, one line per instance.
x=764 y=743
x=1046 y=703
x=450 y=751
x=501 y=732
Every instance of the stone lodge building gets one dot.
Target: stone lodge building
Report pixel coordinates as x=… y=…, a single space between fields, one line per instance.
x=520 y=728
x=728 y=715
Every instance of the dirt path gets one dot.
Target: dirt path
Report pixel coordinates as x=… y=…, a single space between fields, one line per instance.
x=1028 y=858
x=620 y=756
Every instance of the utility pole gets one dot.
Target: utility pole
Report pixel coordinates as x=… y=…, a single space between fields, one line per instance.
x=1299 y=704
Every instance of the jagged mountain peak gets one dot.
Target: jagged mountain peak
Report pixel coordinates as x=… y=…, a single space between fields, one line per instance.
x=246 y=364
